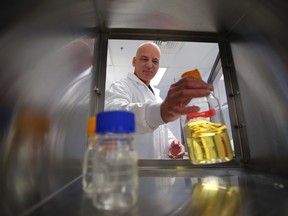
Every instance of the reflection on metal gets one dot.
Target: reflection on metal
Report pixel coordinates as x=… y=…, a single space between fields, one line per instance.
x=23 y=160
x=45 y=130
x=200 y=191
x=44 y=154
x=215 y=196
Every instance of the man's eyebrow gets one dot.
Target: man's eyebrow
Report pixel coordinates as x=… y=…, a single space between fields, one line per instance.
x=144 y=56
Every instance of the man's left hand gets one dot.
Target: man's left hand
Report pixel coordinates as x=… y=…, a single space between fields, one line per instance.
x=176 y=150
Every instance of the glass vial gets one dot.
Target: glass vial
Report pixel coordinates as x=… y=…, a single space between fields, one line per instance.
x=115 y=171
x=205 y=132
x=88 y=157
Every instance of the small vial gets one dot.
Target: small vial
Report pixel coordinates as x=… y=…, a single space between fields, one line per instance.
x=88 y=157
x=115 y=171
x=205 y=132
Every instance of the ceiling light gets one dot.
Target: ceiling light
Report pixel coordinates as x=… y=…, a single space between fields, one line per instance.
x=169 y=46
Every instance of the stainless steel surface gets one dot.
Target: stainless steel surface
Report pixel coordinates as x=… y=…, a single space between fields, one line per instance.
x=197 y=15
x=260 y=53
x=44 y=110
x=44 y=104
x=199 y=191
x=235 y=104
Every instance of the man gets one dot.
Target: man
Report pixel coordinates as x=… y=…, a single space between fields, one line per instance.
x=134 y=93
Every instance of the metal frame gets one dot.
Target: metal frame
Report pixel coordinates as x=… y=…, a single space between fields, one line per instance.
x=99 y=75
x=234 y=102
x=233 y=97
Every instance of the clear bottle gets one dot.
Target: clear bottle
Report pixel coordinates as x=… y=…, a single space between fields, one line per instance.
x=205 y=132
x=88 y=157
x=115 y=171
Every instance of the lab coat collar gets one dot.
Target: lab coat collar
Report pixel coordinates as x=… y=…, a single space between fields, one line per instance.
x=132 y=76
x=135 y=78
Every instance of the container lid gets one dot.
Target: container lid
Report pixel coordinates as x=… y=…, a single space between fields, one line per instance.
x=193 y=73
x=91 y=125
x=115 y=122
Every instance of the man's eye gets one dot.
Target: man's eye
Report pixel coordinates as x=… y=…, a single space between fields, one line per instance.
x=144 y=59
x=156 y=62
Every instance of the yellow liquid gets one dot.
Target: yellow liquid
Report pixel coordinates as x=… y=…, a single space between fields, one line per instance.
x=222 y=201
x=207 y=142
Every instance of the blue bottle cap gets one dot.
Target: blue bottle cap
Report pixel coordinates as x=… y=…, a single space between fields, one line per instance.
x=115 y=122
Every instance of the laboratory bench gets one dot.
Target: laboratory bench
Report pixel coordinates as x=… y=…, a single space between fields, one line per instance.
x=184 y=190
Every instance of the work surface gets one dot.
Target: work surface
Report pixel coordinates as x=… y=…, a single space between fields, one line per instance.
x=197 y=191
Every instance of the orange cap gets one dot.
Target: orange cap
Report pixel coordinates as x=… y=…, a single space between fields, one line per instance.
x=91 y=125
x=193 y=73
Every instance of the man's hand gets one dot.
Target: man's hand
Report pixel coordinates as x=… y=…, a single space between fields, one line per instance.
x=180 y=94
x=176 y=150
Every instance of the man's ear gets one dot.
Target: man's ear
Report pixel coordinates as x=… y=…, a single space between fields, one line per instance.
x=133 y=61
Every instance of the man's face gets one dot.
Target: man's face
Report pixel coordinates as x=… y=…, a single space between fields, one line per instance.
x=146 y=62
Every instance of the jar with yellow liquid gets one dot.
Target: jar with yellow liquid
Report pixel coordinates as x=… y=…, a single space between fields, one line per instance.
x=205 y=132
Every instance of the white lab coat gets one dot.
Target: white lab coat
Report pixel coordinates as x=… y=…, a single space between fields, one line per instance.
x=152 y=137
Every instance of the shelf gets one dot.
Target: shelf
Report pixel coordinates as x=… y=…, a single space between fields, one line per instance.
x=180 y=191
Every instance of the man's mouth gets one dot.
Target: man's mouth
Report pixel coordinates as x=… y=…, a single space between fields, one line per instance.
x=148 y=71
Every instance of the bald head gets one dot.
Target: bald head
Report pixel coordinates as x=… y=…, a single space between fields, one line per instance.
x=148 y=44
x=146 y=62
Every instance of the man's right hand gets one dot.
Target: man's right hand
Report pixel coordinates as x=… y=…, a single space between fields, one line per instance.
x=180 y=94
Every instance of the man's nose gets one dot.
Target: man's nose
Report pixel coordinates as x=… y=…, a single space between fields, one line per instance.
x=149 y=64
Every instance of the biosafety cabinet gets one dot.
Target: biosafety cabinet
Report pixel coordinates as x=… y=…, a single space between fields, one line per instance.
x=58 y=57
